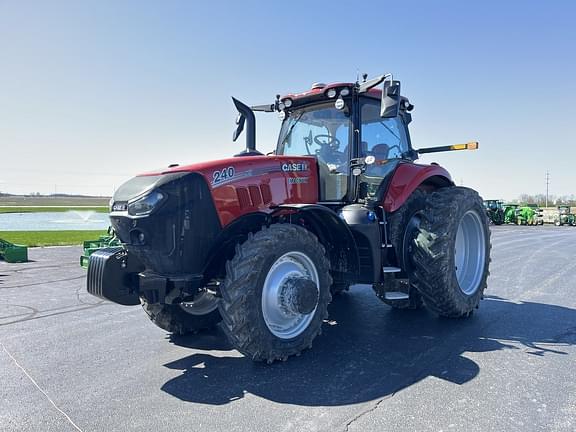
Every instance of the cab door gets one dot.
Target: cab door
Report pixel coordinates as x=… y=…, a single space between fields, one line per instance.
x=386 y=139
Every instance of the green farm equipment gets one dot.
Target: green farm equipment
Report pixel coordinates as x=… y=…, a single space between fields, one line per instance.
x=539 y=214
x=13 y=253
x=91 y=246
x=526 y=215
x=495 y=211
x=565 y=217
x=511 y=214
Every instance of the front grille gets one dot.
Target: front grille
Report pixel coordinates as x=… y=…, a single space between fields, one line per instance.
x=176 y=237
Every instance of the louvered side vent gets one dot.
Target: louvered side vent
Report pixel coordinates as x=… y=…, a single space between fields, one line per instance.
x=243 y=197
x=266 y=193
x=255 y=195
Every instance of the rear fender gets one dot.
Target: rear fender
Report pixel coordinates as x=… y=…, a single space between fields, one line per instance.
x=408 y=177
x=332 y=232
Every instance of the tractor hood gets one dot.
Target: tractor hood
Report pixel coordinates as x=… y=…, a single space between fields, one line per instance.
x=236 y=185
x=203 y=166
x=225 y=171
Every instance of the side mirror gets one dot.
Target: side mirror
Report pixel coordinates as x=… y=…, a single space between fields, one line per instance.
x=240 y=120
x=390 y=104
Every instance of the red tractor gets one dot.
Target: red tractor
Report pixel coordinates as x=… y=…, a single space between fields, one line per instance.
x=261 y=243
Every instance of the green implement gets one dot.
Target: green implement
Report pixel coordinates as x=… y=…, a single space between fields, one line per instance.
x=526 y=216
x=510 y=214
x=13 y=253
x=91 y=246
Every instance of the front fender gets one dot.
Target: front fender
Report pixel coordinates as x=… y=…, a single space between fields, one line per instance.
x=333 y=233
x=408 y=177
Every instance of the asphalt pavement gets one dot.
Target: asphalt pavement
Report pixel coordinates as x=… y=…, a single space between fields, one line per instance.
x=69 y=361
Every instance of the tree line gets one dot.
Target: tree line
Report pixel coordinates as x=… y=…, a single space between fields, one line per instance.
x=553 y=200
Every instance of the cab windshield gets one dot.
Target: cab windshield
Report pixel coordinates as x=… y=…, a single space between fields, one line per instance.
x=316 y=131
x=324 y=132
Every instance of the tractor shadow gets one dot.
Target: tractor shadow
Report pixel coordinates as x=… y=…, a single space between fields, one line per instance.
x=369 y=351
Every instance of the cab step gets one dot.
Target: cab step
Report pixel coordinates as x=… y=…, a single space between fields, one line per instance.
x=391 y=269
x=396 y=295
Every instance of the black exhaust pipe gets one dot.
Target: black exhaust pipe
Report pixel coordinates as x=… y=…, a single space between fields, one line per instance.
x=246 y=116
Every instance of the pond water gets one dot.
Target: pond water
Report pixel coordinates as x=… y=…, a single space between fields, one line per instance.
x=54 y=221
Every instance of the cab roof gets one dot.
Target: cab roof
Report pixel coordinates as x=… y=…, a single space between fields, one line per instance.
x=319 y=90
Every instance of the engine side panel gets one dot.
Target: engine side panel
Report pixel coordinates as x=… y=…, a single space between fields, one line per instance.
x=256 y=184
x=407 y=178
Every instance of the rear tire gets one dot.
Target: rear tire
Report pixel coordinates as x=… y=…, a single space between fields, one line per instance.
x=181 y=319
x=453 y=232
x=258 y=295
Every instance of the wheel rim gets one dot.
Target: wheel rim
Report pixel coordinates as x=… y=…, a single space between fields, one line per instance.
x=204 y=303
x=470 y=252
x=282 y=322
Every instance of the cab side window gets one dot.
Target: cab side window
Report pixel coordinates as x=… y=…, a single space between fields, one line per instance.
x=383 y=138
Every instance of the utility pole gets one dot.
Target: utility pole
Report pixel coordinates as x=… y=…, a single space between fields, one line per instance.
x=547 y=183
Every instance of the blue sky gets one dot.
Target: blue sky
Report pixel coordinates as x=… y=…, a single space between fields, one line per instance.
x=93 y=92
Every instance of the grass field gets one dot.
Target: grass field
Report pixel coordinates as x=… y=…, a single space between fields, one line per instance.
x=49 y=238
x=31 y=209
x=57 y=201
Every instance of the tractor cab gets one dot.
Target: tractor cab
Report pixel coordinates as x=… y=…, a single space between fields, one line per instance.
x=357 y=133
x=356 y=148
x=493 y=205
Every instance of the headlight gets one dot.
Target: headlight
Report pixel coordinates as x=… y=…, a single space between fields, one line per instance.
x=146 y=204
x=287 y=103
x=331 y=93
x=345 y=92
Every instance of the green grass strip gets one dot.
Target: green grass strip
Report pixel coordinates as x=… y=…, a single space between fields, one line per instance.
x=49 y=238
x=51 y=209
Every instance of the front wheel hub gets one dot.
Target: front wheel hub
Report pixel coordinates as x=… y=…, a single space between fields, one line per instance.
x=290 y=295
x=298 y=295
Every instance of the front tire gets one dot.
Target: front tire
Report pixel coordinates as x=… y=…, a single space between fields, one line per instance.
x=276 y=293
x=452 y=252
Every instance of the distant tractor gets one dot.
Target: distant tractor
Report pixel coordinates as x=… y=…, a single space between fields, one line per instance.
x=261 y=243
x=495 y=211
x=565 y=217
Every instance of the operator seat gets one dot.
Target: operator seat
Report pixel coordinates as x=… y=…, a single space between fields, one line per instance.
x=381 y=153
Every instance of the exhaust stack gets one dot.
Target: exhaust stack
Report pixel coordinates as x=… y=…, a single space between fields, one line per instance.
x=246 y=115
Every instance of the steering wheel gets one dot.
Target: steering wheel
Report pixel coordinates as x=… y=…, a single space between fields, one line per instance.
x=331 y=141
